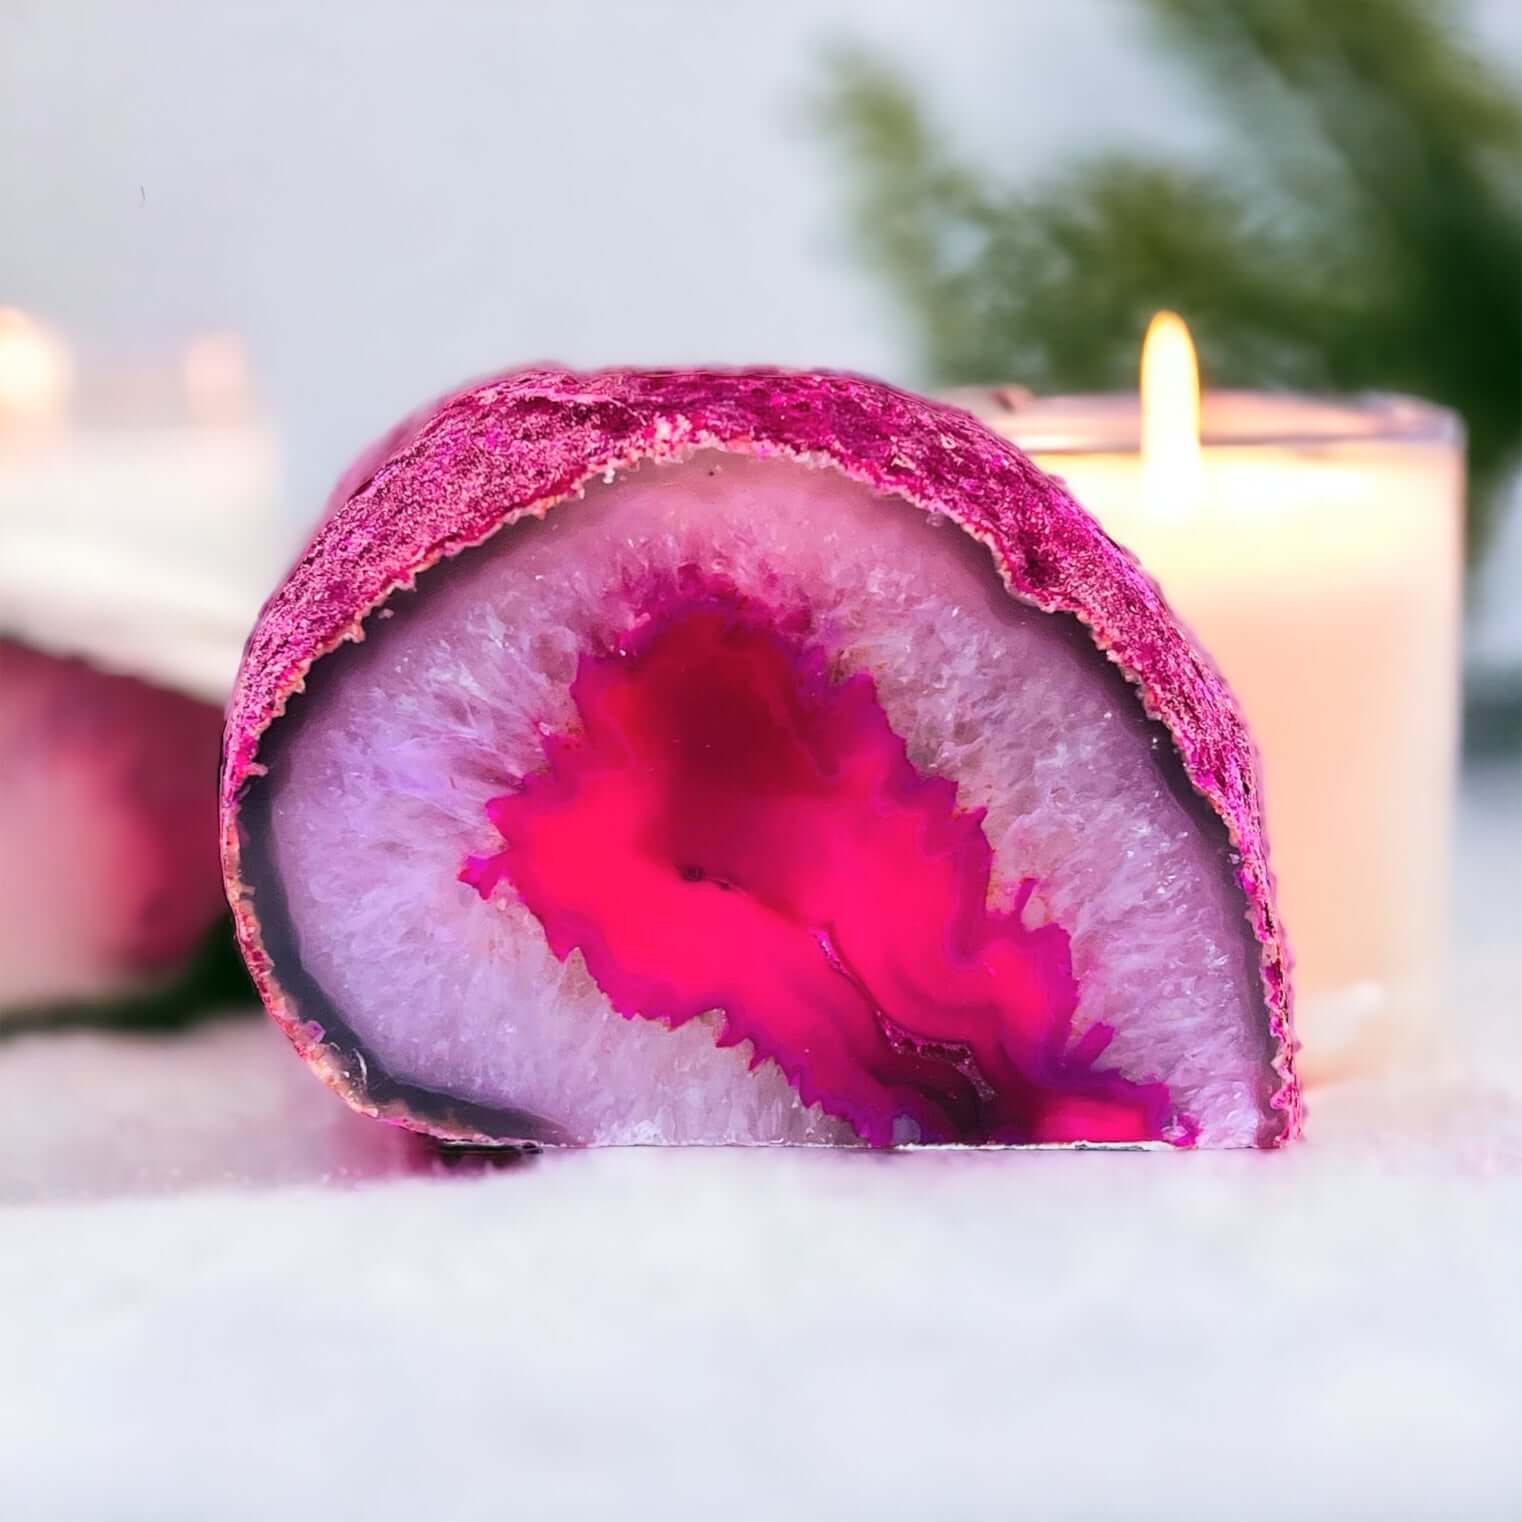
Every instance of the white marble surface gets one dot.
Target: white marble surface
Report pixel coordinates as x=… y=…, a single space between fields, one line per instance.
x=225 y=1297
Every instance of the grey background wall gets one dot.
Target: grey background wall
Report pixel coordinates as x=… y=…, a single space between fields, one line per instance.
x=387 y=197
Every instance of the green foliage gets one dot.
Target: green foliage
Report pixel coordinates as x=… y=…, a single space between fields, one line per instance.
x=1362 y=232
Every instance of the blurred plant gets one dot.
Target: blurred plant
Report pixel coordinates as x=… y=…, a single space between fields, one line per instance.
x=1363 y=231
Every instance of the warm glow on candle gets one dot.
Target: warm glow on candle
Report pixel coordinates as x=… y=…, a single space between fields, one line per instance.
x=35 y=372
x=217 y=388
x=1170 y=416
x=1312 y=547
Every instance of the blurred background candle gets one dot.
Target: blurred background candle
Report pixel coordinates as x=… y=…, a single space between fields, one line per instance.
x=1314 y=546
x=141 y=521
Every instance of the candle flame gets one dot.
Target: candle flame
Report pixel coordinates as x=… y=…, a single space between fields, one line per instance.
x=1170 y=416
x=35 y=372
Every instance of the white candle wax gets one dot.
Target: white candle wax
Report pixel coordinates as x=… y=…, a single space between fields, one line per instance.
x=147 y=551
x=144 y=536
x=1317 y=557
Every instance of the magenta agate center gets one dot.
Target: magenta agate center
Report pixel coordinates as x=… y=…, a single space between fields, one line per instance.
x=730 y=829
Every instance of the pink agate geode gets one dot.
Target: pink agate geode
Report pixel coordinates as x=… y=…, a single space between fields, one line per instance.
x=108 y=873
x=748 y=757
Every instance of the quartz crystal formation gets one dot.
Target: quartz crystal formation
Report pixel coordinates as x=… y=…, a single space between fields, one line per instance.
x=748 y=757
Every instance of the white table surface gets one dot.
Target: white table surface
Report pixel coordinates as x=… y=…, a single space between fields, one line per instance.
x=225 y=1298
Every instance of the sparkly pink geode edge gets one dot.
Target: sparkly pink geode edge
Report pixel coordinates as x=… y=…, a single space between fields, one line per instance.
x=452 y=475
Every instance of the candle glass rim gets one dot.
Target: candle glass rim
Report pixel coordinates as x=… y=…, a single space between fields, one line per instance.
x=1110 y=422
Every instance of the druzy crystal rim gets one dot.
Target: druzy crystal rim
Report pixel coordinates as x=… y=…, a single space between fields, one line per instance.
x=454 y=474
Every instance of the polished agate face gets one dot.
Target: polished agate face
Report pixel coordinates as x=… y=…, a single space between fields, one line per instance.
x=736 y=802
x=108 y=862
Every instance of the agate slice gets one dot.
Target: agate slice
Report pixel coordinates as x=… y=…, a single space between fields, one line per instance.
x=699 y=757
x=108 y=867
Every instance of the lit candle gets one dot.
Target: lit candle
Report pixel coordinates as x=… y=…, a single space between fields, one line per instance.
x=141 y=533
x=1314 y=547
